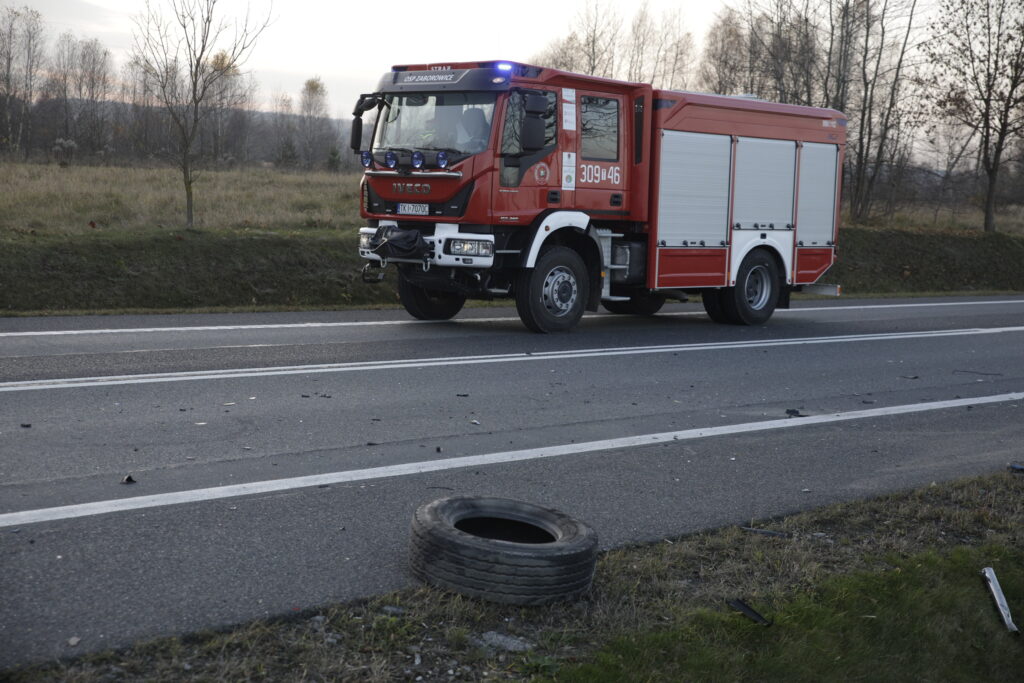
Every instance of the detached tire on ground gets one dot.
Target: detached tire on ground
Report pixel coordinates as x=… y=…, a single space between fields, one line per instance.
x=502 y=550
x=426 y=304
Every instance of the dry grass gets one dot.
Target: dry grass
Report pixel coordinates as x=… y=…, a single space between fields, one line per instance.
x=53 y=200
x=969 y=219
x=636 y=590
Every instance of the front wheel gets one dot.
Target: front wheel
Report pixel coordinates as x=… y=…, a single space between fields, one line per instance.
x=428 y=304
x=552 y=296
x=752 y=301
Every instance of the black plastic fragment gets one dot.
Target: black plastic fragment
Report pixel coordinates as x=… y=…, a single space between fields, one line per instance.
x=748 y=612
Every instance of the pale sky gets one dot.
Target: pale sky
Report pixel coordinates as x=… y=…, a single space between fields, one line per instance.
x=349 y=45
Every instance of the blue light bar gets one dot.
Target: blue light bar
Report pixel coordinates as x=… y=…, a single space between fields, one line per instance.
x=504 y=66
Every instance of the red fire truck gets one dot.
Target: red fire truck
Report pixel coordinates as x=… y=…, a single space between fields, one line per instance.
x=503 y=180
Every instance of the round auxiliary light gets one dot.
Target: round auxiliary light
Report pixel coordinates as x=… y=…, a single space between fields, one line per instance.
x=417 y=159
x=390 y=159
x=442 y=159
x=366 y=159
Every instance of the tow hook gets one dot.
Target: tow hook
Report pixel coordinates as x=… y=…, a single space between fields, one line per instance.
x=372 y=274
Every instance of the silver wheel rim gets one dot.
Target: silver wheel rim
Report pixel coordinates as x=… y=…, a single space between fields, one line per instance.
x=560 y=291
x=758 y=287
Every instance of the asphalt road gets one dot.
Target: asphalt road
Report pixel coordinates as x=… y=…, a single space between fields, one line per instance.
x=278 y=458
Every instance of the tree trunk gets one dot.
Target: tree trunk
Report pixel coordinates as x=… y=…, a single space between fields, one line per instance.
x=990 y=200
x=186 y=169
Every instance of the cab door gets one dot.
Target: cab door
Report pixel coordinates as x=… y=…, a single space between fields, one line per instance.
x=526 y=181
x=601 y=165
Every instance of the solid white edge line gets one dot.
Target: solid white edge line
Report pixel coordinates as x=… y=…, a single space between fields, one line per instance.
x=372 y=323
x=157 y=378
x=504 y=457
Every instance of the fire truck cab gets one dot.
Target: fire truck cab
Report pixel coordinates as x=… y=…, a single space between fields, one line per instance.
x=564 y=192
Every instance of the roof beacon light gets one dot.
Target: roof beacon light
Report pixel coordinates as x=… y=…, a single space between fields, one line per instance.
x=442 y=159
x=366 y=159
x=417 y=159
x=390 y=159
x=504 y=66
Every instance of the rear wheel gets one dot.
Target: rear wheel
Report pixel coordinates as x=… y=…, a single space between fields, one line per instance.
x=752 y=301
x=712 y=299
x=638 y=304
x=552 y=296
x=428 y=304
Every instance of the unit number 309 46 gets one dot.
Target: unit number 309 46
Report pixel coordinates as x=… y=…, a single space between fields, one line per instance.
x=592 y=173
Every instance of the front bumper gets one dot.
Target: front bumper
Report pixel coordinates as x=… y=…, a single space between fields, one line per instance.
x=437 y=252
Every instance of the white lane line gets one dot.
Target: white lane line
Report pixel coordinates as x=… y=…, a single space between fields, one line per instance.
x=362 y=366
x=373 y=323
x=261 y=487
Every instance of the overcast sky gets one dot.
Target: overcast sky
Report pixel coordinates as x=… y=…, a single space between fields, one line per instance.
x=350 y=44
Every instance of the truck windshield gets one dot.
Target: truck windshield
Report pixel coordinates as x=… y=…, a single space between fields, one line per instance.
x=456 y=122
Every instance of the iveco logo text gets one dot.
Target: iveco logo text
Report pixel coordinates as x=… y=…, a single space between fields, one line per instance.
x=412 y=188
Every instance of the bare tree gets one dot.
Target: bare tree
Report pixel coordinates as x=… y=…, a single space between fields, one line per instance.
x=93 y=83
x=314 y=126
x=176 y=57
x=285 y=152
x=881 y=112
x=977 y=50
x=59 y=84
x=564 y=54
x=22 y=36
x=722 y=65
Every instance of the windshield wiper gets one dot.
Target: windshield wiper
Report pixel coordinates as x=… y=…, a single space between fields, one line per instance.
x=450 y=150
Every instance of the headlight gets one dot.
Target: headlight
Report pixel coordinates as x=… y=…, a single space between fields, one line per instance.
x=364 y=240
x=471 y=248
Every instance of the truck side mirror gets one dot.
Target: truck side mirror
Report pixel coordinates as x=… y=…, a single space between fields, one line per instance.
x=532 y=138
x=536 y=104
x=356 y=141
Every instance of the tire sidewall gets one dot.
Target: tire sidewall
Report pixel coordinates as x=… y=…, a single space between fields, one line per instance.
x=529 y=297
x=739 y=308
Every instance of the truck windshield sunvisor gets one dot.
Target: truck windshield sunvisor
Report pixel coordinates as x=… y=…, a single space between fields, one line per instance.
x=454 y=122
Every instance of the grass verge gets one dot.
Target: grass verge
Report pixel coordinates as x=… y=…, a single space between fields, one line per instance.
x=87 y=239
x=886 y=588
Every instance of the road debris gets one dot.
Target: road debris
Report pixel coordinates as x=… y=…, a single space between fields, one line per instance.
x=73 y=641
x=748 y=612
x=1016 y=468
x=26 y=425
x=127 y=479
x=794 y=412
x=997 y=592
x=502 y=641
x=475 y=422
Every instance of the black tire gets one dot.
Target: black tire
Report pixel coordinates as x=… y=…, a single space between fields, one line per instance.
x=752 y=301
x=426 y=304
x=638 y=304
x=502 y=550
x=552 y=295
x=712 y=300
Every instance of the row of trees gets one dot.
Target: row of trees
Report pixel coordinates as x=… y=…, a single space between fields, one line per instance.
x=64 y=98
x=935 y=107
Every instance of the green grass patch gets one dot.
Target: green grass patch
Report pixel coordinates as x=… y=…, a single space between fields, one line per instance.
x=880 y=589
x=927 y=617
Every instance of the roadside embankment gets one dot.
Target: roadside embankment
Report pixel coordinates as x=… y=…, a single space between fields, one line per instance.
x=239 y=269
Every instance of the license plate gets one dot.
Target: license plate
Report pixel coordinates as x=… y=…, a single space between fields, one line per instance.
x=414 y=209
